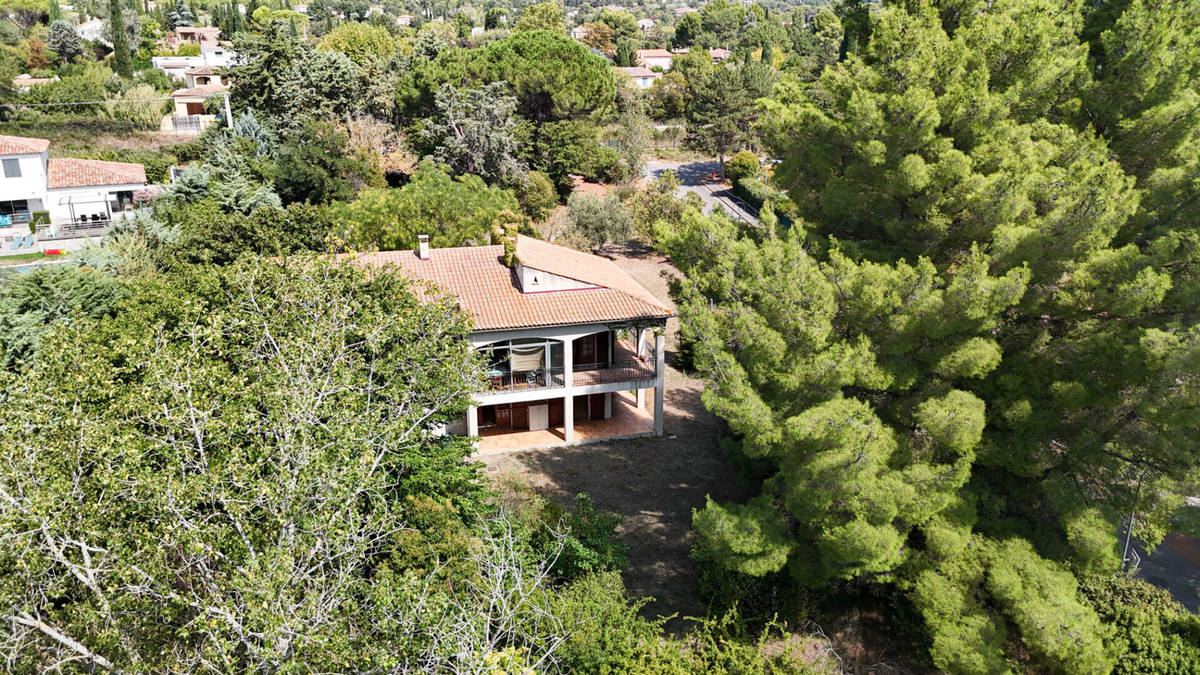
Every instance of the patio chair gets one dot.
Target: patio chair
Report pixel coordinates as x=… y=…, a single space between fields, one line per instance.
x=29 y=241
x=16 y=243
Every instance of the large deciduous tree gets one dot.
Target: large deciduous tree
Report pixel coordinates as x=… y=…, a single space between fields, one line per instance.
x=452 y=210
x=546 y=16
x=362 y=42
x=226 y=476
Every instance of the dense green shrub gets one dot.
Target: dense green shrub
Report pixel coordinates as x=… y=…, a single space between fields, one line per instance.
x=599 y=220
x=318 y=166
x=590 y=545
x=537 y=195
x=1151 y=633
x=612 y=638
x=213 y=235
x=452 y=210
x=756 y=193
x=742 y=165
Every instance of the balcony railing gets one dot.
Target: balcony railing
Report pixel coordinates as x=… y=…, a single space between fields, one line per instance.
x=618 y=371
x=585 y=374
x=525 y=380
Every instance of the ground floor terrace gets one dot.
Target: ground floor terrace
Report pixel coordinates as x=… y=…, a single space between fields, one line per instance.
x=540 y=424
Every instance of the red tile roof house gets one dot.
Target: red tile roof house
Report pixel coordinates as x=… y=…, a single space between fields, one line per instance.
x=573 y=344
x=71 y=190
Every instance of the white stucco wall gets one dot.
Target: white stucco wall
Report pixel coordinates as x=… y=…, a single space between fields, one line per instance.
x=535 y=281
x=87 y=201
x=32 y=182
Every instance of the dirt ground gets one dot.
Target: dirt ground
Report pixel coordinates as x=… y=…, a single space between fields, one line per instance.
x=652 y=483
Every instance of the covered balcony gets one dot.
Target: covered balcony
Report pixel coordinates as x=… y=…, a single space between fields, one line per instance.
x=554 y=384
x=530 y=364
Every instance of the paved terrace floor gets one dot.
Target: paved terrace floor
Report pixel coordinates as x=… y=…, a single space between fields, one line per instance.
x=627 y=420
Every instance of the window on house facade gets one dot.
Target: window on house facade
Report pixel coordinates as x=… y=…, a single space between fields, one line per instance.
x=12 y=168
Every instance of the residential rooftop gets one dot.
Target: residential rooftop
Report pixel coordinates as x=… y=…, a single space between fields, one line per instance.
x=68 y=172
x=490 y=291
x=22 y=145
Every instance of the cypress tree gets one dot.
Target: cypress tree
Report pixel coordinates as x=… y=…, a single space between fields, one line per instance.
x=122 y=64
x=53 y=10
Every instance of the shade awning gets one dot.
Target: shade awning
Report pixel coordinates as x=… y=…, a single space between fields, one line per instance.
x=527 y=358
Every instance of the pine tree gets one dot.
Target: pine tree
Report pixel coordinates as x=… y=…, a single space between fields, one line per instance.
x=1070 y=157
x=64 y=41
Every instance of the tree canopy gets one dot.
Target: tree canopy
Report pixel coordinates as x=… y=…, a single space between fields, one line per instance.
x=453 y=211
x=978 y=352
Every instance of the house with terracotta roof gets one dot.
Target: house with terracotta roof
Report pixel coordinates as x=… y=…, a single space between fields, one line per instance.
x=26 y=82
x=573 y=345
x=188 y=116
x=642 y=76
x=69 y=191
x=653 y=58
x=202 y=75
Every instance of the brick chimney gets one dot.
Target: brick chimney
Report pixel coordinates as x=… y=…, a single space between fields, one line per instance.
x=423 y=246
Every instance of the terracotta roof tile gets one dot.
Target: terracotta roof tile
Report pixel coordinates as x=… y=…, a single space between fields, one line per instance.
x=21 y=145
x=202 y=90
x=201 y=70
x=486 y=288
x=68 y=172
x=637 y=71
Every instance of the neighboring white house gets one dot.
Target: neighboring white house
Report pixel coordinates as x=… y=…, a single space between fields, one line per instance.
x=653 y=58
x=73 y=191
x=92 y=29
x=573 y=344
x=404 y=20
x=645 y=24
x=579 y=33
x=177 y=66
x=642 y=77
x=90 y=188
x=198 y=77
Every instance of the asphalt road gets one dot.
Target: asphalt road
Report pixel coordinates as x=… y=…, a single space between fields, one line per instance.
x=1175 y=567
x=697 y=177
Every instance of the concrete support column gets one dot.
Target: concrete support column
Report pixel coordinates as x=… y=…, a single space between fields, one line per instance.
x=608 y=398
x=660 y=368
x=641 y=399
x=569 y=419
x=569 y=381
x=472 y=420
